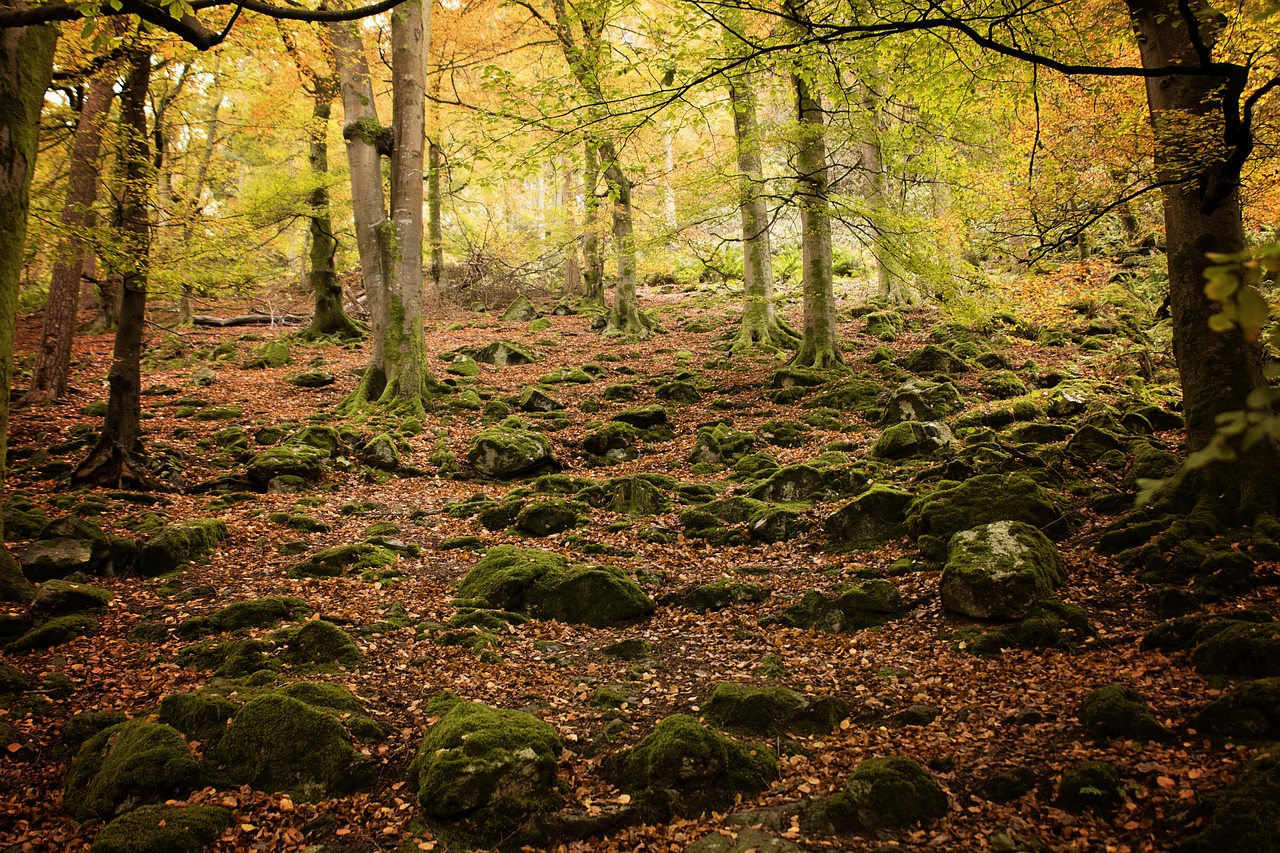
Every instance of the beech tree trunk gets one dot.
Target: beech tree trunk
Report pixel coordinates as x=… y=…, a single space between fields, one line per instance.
x=53 y=356
x=1194 y=148
x=115 y=460
x=328 y=318
x=625 y=315
x=592 y=245
x=818 y=345
x=571 y=282
x=435 y=227
x=892 y=287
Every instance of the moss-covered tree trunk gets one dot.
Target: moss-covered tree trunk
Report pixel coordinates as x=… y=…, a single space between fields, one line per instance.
x=115 y=460
x=819 y=347
x=53 y=356
x=435 y=205
x=592 y=245
x=761 y=328
x=329 y=317
x=892 y=285
x=1194 y=157
x=624 y=315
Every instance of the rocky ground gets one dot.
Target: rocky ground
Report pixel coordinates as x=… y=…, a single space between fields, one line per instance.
x=753 y=555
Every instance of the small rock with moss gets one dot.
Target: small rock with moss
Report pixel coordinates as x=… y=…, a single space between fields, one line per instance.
x=343 y=559
x=293 y=460
x=912 y=438
x=1116 y=710
x=874 y=516
x=61 y=598
x=318 y=642
x=853 y=608
x=1000 y=571
x=54 y=632
x=503 y=453
x=178 y=544
x=163 y=829
x=550 y=516
x=723 y=593
x=1242 y=817
x=770 y=710
x=983 y=499
x=1090 y=785
x=1251 y=710
x=126 y=765
x=1240 y=650
x=919 y=400
x=883 y=793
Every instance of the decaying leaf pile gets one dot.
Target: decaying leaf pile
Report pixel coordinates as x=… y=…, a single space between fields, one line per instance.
x=997 y=729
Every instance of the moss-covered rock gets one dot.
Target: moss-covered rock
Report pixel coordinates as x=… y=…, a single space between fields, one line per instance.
x=199 y=716
x=61 y=598
x=742 y=840
x=931 y=359
x=612 y=442
x=921 y=401
x=316 y=377
x=885 y=325
x=231 y=659
x=721 y=445
x=125 y=766
x=678 y=393
x=318 y=642
x=1250 y=711
x=643 y=417
x=66 y=545
x=685 y=768
x=1240 y=650
x=54 y=632
x=503 y=453
x=874 y=516
x=1000 y=571
x=503 y=353
x=520 y=310
x=1242 y=817
x=343 y=559
x=853 y=608
x=258 y=613
x=272 y=353
x=291 y=460
x=12 y=682
x=883 y=793
x=1090 y=785
x=801 y=483
x=381 y=452
x=1115 y=710
x=163 y=829
x=906 y=439
x=277 y=743
x=981 y=500
x=553 y=515
x=628 y=496
x=178 y=544
x=491 y=764
x=770 y=710
x=1049 y=625
x=723 y=593
x=506 y=573
x=14 y=585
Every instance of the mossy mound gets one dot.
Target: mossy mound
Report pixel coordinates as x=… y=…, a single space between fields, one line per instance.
x=1090 y=785
x=874 y=516
x=272 y=353
x=294 y=460
x=163 y=829
x=277 y=743
x=504 y=453
x=61 y=598
x=318 y=642
x=1115 y=710
x=550 y=516
x=982 y=500
x=199 y=716
x=520 y=310
x=322 y=694
x=730 y=521
x=1250 y=711
x=231 y=659
x=492 y=765
x=723 y=593
x=1050 y=625
x=770 y=710
x=258 y=613
x=852 y=608
x=721 y=445
x=921 y=401
x=933 y=359
x=740 y=840
x=638 y=495
x=125 y=766
x=684 y=768
x=343 y=559
x=912 y=438
x=1000 y=570
x=801 y=483
x=883 y=793
x=65 y=545
x=178 y=544
x=1240 y=650
x=612 y=442
x=504 y=353
x=643 y=417
x=1243 y=817
x=54 y=632
x=885 y=325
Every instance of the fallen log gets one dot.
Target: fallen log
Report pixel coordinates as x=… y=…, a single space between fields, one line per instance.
x=249 y=320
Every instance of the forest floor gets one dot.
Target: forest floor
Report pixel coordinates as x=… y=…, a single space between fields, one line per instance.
x=1017 y=709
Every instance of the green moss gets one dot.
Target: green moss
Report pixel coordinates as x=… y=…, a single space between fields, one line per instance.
x=178 y=544
x=553 y=515
x=259 y=613
x=1000 y=570
x=1250 y=711
x=301 y=461
x=883 y=793
x=723 y=593
x=1115 y=710
x=503 y=452
x=769 y=710
x=586 y=595
x=853 y=608
x=199 y=716
x=494 y=765
x=125 y=765
x=632 y=648
x=343 y=559
x=277 y=743
x=505 y=574
x=987 y=498
x=61 y=598
x=1090 y=785
x=163 y=829
x=321 y=694
x=12 y=681
x=318 y=642
x=685 y=768
x=273 y=353
x=231 y=659
x=1240 y=650
x=628 y=496
x=55 y=632
x=1243 y=817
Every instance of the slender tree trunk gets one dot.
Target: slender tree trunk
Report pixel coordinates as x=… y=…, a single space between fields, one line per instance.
x=892 y=287
x=435 y=228
x=818 y=345
x=115 y=460
x=194 y=207
x=53 y=357
x=592 y=245
x=571 y=282
x=625 y=316
x=1202 y=214
x=761 y=328
x=328 y=318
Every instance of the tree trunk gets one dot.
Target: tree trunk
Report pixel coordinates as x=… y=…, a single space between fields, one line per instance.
x=592 y=245
x=435 y=228
x=115 y=460
x=761 y=328
x=26 y=67
x=625 y=316
x=571 y=282
x=1202 y=214
x=818 y=345
x=53 y=357
x=892 y=287
x=322 y=277
x=195 y=206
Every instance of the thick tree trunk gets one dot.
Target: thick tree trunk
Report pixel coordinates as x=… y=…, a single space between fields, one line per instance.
x=435 y=227
x=115 y=460
x=26 y=67
x=592 y=245
x=819 y=347
x=53 y=357
x=625 y=316
x=1202 y=214
x=322 y=276
x=761 y=328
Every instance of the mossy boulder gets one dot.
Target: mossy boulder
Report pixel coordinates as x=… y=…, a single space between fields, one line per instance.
x=318 y=642
x=981 y=500
x=534 y=399
x=381 y=452
x=54 y=632
x=494 y=765
x=199 y=716
x=258 y=613
x=885 y=325
x=62 y=598
x=503 y=453
x=289 y=460
x=343 y=559
x=912 y=438
x=180 y=543
x=921 y=401
x=1240 y=650
x=873 y=516
x=1003 y=384
x=1000 y=571
x=520 y=310
x=742 y=840
x=231 y=659
x=800 y=483
x=1115 y=710
x=503 y=353
x=1090 y=444
x=66 y=545
x=1250 y=711
x=322 y=694
x=553 y=515
x=883 y=793
x=277 y=743
x=770 y=710
x=679 y=393
x=723 y=593
x=627 y=495
x=852 y=608
x=506 y=573
x=1242 y=817
x=14 y=585
x=163 y=829
x=272 y=353
x=644 y=417
x=316 y=377
x=933 y=359
x=721 y=445
x=684 y=768
x=612 y=442
x=125 y=766
x=1090 y=785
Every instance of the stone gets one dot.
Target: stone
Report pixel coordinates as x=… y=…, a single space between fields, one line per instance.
x=1090 y=444
x=772 y=710
x=163 y=829
x=1003 y=384
x=1242 y=817
x=678 y=393
x=882 y=793
x=777 y=524
x=318 y=642
x=381 y=453
x=301 y=461
x=316 y=377
x=721 y=445
x=912 y=438
x=1251 y=710
x=1000 y=571
x=982 y=500
x=48 y=559
x=853 y=608
x=1118 y=711
x=1240 y=650
x=179 y=544
x=885 y=325
x=876 y=515
x=343 y=559
x=643 y=417
x=520 y=310
x=61 y=598
x=503 y=453
x=125 y=766
x=638 y=495
x=272 y=353
x=199 y=716
x=504 y=353
x=536 y=400
x=54 y=632
x=723 y=593
x=612 y=442
x=1090 y=786
x=746 y=840
x=933 y=359
x=800 y=483
x=550 y=516
x=921 y=401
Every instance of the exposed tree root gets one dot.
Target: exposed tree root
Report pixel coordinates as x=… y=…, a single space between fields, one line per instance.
x=112 y=466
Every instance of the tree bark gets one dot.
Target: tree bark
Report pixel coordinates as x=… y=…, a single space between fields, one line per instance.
x=53 y=356
x=592 y=245
x=892 y=287
x=571 y=281
x=195 y=206
x=1202 y=214
x=116 y=459
x=818 y=345
x=625 y=316
x=435 y=228
x=328 y=318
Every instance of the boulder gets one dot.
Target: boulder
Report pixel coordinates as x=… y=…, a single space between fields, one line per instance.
x=536 y=400
x=199 y=716
x=381 y=453
x=503 y=453
x=520 y=310
x=772 y=710
x=800 y=483
x=1242 y=817
x=550 y=516
x=721 y=445
x=912 y=438
x=883 y=793
x=982 y=500
x=885 y=325
x=163 y=829
x=316 y=377
x=933 y=359
x=1250 y=711
x=272 y=353
x=317 y=642
x=853 y=608
x=1000 y=570
x=180 y=543
x=747 y=840
x=125 y=766
x=1240 y=650
x=503 y=353
x=293 y=460
x=921 y=401
x=612 y=442
x=628 y=496
x=66 y=545
x=723 y=593
x=678 y=393
x=1115 y=710
x=873 y=516
x=62 y=598
x=1090 y=785
x=643 y=417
